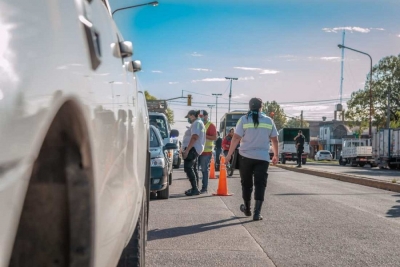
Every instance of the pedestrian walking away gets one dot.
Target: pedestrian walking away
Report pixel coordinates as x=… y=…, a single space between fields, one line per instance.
x=193 y=145
x=254 y=131
x=205 y=157
x=299 y=146
x=218 y=150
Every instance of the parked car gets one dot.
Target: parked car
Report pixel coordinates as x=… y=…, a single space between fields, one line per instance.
x=177 y=155
x=74 y=158
x=161 y=165
x=323 y=155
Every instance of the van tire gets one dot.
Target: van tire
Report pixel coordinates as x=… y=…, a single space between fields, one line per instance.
x=134 y=253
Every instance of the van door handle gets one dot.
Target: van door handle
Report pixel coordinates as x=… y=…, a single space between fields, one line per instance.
x=93 y=41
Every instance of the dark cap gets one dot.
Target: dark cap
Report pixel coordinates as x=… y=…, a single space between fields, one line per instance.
x=203 y=112
x=192 y=112
x=255 y=103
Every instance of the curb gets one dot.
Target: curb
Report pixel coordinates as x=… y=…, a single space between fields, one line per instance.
x=346 y=178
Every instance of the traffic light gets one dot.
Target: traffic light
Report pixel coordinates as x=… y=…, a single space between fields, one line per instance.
x=189 y=100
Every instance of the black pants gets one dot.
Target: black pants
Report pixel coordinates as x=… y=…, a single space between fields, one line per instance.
x=300 y=151
x=257 y=168
x=190 y=165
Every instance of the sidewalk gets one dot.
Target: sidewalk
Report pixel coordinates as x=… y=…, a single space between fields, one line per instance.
x=199 y=231
x=350 y=178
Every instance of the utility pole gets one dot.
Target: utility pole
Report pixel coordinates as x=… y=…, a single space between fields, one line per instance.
x=341 y=72
x=230 y=91
x=216 y=108
x=210 y=106
x=301 y=119
x=388 y=109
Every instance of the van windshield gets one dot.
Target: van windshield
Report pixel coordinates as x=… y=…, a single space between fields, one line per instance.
x=160 y=123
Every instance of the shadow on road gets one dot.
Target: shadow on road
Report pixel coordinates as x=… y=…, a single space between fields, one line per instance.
x=394 y=212
x=192 y=229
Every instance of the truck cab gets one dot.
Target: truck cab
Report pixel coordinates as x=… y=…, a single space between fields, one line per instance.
x=356 y=152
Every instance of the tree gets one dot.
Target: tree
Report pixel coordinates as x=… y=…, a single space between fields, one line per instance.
x=385 y=80
x=169 y=112
x=296 y=123
x=278 y=113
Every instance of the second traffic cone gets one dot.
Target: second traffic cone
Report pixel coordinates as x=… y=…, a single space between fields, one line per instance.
x=212 y=169
x=222 y=183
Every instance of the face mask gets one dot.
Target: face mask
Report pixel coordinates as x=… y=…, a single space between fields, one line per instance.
x=189 y=121
x=203 y=120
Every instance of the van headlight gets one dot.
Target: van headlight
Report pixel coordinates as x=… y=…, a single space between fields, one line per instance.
x=158 y=162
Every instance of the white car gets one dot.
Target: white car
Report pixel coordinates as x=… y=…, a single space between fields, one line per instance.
x=74 y=155
x=323 y=155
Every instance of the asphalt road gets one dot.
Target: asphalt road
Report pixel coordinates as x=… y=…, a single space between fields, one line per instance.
x=366 y=171
x=308 y=221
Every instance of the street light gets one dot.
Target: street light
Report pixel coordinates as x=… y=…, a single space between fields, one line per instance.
x=370 y=85
x=216 y=108
x=210 y=106
x=230 y=91
x=154 y=3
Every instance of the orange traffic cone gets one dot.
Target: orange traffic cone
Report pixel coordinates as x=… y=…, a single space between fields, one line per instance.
x=212 y=169
x=222 y=183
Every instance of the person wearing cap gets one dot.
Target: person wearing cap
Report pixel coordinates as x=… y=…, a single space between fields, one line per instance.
x=299 y=139
x=205 y=157
x=226 y=143
x=193 y=145
x=254 y=131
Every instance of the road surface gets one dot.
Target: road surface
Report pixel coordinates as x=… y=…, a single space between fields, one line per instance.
x=308 y=221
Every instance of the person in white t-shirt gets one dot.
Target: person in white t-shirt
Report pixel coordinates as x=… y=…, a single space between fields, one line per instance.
x=193 y=145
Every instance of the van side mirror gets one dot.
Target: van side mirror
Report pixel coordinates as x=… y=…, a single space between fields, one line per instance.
x=174 y=133
x=134 y=66
x=126 y=49
x=170 y=146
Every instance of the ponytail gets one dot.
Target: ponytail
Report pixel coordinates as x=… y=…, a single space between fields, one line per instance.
x=197 y=113
x=254 y=116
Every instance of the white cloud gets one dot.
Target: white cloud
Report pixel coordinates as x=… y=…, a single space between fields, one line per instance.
x=239 y=96
x=330 y=58
x=195 y=54
x=246 y=78
x=398 y=35
x=246 y=68
x=156 y=71
x=352 y=29
x=261 y=71
x=198 y=69
x=209 y=80
x=173 y=82
x=269 y=72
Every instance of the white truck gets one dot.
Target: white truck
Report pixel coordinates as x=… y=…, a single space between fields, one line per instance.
x=287 y=147
x=386 y=148
x=74 y=138
x=356 y=152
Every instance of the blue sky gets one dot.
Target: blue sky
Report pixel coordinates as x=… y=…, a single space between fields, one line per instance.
x=282 y=50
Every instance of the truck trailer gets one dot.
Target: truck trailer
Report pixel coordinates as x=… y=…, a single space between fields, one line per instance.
x=386 y=148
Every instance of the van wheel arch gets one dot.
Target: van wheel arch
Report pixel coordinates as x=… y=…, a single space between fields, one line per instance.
x=56 y=223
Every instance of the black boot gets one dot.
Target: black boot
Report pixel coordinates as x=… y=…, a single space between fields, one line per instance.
x=257 y=210
x=195 y=190
x=245 y=208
